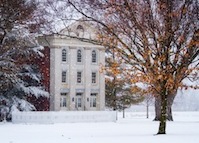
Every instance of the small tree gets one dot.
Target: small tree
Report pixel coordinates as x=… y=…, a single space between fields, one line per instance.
x=148 y=100
x=120 y=96
x=130 y=96
x=125 y=101
x=119 y=93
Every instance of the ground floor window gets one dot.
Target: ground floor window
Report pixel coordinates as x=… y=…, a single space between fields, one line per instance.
x=63 y=100
x=93 y=100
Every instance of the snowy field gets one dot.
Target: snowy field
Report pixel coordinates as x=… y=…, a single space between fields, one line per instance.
x=134 y=128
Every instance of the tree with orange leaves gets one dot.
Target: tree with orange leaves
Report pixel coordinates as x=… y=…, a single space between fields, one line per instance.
x=157 y=39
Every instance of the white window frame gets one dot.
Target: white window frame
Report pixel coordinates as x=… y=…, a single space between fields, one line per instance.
x=94 y=56
x=79 y=77
x=78 y=100
x=63 y=100
x=64 y=76
x=93 y=100
x=79 y=56
x=94 y=77
x=64 y=55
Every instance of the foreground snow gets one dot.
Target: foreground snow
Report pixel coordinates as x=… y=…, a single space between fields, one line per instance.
x=134 y=128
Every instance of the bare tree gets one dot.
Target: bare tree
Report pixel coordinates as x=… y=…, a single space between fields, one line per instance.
x=148 y=100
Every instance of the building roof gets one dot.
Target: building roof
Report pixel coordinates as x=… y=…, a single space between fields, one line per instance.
x=78 y=34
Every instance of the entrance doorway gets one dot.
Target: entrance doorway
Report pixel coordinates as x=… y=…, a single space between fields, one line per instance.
x=78 y=101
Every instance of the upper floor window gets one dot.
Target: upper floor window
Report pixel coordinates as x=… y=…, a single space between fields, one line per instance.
x=79 y=77
x=64 y=55
x=64 y=76
x=94 y=77
x=80 y=31
x=79 y=56
x=80 y=27
x=94 y=56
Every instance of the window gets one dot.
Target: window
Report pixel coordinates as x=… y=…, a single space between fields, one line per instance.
x=94 y=56
x=79 y=77
x=80 y=31
x=94 y=77
x=63 y=100
x=80 y=27
x=78 y=100
x=79 y=56
x=64 y=76
x=93 y=100
x=64 y=55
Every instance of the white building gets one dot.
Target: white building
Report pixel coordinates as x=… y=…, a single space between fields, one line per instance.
x=76 y=80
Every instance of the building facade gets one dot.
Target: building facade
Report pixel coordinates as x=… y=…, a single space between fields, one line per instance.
x=76 y=80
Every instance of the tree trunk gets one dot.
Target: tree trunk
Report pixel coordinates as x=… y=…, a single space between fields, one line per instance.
x=163 y=117
x=170 y=100
x=157 y=108
x=123 y=112
x=169 y=106
x=147 y=111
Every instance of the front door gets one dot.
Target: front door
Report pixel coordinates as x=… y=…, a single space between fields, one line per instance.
x=78 y=101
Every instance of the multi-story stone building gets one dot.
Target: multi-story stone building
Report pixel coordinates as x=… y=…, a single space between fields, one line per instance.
x=76 y=80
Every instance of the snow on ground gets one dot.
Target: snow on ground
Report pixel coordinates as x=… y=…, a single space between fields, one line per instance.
x=134 y=128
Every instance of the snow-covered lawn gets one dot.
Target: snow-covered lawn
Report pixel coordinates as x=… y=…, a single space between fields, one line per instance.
x=134 y=128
